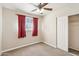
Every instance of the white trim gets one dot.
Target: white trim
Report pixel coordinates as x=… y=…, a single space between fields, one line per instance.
x=49 y=44
x=72 y=54
x=19 y=47
x=0 y=30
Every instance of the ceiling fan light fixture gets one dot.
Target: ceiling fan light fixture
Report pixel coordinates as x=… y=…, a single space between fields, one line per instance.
x=40 y=10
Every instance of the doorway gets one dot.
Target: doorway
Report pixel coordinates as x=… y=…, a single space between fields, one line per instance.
x=73 y=34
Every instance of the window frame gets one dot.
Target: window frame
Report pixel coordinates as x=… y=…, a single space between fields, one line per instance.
x=29 y=20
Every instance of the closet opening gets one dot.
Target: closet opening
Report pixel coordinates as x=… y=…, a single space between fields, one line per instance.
x=73 y=34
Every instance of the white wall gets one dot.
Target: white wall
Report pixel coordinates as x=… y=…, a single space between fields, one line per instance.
x=0 y=29
x=10 y=33
x=74 y=32
x=49 y=22
x=49 y=29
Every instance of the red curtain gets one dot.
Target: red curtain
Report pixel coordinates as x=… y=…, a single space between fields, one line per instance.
x=21 y=26
x=35 y=27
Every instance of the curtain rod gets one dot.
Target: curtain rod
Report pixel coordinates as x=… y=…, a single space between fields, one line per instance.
x=27 y=16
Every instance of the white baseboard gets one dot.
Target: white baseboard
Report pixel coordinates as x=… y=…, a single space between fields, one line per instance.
x=49 y=44
x=72 y=54
x=19 y=47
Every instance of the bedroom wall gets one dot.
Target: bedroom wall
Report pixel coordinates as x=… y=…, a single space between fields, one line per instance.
x=49 y=22
x=10 y=33
x=49 y=29
x=0 y=29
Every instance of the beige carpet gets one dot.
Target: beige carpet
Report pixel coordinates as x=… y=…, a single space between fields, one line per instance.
x=39 y=49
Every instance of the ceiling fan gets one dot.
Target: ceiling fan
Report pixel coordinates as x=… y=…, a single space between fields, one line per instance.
x=40 y=7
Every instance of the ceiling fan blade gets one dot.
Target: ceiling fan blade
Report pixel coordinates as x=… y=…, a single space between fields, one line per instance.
x=34 y=10
x=50 y=9
x=44 y=4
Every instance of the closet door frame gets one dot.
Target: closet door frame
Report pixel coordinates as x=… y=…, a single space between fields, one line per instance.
x=0 y=30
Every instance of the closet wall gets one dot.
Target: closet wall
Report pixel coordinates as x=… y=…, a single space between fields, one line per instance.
x=74 y=32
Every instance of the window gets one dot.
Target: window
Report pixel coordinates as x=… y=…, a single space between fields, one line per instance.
x=29 y=23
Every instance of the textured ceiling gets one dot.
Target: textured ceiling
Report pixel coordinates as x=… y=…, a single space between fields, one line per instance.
x=28 y=7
